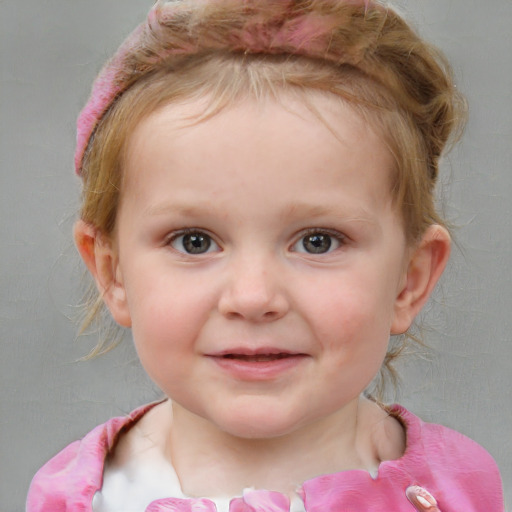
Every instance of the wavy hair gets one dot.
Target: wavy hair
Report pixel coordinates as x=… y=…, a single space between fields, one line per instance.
x=362 y=52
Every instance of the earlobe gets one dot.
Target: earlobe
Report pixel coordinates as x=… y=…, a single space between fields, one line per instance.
x=100 y=257
x=426 y=264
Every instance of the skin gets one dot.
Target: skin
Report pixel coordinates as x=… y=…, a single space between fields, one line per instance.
x=261 y=183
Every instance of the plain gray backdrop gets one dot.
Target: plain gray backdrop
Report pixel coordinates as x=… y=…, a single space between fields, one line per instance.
x=50 y=51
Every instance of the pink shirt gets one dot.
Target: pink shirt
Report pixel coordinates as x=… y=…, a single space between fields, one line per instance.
x=458 y=472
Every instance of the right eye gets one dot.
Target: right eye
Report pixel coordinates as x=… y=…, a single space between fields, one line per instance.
x=193 y=242
x=319 y=241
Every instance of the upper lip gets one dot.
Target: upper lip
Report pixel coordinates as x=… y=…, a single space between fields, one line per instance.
x=259 y=351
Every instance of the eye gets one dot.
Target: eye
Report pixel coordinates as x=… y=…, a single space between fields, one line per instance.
x=318 y=242
x=193 y=242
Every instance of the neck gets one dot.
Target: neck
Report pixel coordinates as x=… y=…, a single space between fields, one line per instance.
x=228 y=464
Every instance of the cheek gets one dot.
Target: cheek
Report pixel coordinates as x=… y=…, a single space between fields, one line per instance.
x=166 y=316
x=344 y=309
x=164 y=333
x=352 y=326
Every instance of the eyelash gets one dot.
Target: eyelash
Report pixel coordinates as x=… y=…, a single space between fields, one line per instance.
x=298 y=246
x=338 y=237
x=174 y=237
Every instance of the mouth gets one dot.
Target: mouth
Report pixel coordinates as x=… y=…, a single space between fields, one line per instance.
x=258 y=365
x=260 y=354
x=259 y=358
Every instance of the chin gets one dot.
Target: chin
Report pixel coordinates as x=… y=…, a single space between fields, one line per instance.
x=258 y=426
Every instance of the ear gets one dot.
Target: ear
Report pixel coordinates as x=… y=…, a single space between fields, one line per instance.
x=99 y=255
x=425 y=266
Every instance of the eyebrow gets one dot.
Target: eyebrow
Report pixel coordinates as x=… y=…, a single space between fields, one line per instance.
x=179 y=208
x=295 y=210
x=312 y=211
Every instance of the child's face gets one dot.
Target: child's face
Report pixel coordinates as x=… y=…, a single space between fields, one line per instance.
x=259 y=260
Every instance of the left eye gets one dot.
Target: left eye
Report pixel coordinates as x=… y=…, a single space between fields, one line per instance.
x=194 y=242
x=317 y=242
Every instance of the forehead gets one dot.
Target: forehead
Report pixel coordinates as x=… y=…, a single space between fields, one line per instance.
x=267 y=137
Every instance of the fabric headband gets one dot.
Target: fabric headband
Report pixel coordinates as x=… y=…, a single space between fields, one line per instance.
x=295 y=32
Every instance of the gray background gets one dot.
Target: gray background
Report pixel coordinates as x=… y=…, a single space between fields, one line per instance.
x=50 y=50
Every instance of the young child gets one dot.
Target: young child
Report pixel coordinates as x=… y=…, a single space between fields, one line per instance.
x=258 y=208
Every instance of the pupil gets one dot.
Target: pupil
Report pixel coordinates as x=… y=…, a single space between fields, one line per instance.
x=317 y=244
x=196 y=243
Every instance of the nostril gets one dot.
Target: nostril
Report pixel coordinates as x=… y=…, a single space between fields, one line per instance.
x=253 y=298
x=233 y=315
x=265 y=316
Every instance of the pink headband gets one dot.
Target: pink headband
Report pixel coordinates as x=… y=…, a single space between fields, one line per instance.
x=299 y=34
x=105 y=90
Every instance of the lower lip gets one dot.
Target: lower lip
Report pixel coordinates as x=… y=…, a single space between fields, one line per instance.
x=244 y=369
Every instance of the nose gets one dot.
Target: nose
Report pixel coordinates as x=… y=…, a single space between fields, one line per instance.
x=253 y=291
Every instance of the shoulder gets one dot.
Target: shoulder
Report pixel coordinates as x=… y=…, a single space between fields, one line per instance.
x=459 y=469
x=70 y=479
x=437 y=444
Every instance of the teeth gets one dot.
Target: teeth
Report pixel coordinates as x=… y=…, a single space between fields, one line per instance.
x=258 y=358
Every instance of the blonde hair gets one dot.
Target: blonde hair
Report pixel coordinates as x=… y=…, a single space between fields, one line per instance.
x=225 y=50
